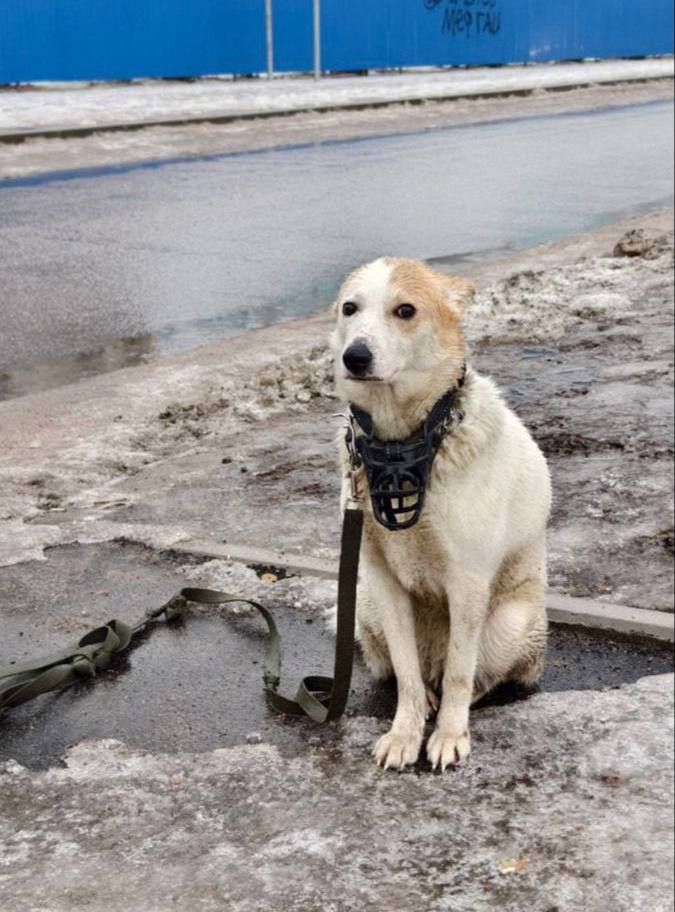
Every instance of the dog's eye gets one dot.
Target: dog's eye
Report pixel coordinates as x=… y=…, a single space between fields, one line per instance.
x=349 y=308
x=405 y=311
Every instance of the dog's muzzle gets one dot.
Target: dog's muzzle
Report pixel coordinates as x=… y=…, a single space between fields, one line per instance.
x=397 y=475
x=398 y=470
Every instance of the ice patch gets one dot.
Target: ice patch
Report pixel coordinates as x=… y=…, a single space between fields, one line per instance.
x=20 y=542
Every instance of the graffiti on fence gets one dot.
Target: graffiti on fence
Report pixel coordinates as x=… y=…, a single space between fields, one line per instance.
x=468 y=17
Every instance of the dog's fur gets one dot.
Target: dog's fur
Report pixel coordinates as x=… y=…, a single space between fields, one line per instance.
x=457 y=602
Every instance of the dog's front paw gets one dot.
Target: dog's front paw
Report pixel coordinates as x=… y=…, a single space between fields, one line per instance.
x=448 y=749
x=396 y=749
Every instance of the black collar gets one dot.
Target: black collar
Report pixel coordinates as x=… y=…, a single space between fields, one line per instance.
x=398 y=470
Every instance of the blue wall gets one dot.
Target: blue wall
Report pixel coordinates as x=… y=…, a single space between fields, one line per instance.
x=395 y=33
x=294 y=35
x=120 y=39
x=108 y=39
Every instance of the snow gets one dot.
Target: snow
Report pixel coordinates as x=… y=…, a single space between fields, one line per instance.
x=576 y=787
x=58 y=106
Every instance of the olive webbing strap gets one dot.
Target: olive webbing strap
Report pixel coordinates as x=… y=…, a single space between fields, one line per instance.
x=321 y=698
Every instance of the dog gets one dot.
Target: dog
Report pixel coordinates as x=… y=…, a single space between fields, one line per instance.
x=455 y=604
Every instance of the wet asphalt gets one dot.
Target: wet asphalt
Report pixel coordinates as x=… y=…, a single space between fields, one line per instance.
x=110 y=266
x=196 y=685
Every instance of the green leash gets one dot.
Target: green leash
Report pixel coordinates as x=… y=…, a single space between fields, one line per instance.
x=322 y=699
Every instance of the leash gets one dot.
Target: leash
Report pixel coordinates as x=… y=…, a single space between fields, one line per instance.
x=397 y=473
x=320 y=698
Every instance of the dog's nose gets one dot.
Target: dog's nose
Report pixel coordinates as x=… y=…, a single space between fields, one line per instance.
x=358 y=358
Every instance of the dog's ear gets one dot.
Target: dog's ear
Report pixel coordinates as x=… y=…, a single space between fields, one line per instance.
x=458 y=292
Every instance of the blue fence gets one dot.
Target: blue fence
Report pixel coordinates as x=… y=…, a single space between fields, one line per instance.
x=119 y=39
x=382 y=33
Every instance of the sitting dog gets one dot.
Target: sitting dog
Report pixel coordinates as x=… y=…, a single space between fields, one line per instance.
x=457 y=497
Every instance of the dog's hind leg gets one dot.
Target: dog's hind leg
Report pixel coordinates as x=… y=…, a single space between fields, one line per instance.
x=513 y=640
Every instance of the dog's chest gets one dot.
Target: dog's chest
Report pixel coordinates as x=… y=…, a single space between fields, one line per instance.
x=417 y=558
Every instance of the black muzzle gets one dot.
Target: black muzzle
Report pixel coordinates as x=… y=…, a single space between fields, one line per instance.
x=397 y=475
x=398 y=470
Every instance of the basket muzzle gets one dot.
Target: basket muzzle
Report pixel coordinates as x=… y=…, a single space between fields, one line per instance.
x=398 y=471
x=397 y=475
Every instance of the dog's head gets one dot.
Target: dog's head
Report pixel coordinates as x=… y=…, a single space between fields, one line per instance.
x=399 y=325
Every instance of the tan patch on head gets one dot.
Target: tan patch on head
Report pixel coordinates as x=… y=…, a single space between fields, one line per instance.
x=437 y=297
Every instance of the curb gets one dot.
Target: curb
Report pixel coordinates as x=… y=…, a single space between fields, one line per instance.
x=562 y=609
x=584 y=612
x=513 y=90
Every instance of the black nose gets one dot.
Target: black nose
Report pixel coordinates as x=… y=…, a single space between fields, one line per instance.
x=358 y=358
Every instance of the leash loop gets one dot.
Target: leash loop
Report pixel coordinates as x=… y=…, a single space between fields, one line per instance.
x=83 y=667
x=320 y=698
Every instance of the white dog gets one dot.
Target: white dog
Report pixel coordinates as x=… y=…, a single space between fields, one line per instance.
x=456 y=602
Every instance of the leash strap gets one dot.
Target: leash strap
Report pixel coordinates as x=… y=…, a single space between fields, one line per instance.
x=322 y=699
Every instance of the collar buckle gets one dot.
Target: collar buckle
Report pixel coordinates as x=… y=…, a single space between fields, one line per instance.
x=354 y=455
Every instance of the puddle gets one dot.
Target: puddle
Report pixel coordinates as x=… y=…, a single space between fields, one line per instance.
x=196 y=685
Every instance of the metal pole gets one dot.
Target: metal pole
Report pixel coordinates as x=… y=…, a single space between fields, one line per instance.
x=317 y=39
x=269 y=38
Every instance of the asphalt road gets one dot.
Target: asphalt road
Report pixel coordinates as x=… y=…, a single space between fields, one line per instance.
x=106 y=267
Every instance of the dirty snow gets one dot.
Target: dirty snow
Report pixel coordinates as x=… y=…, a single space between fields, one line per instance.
x=567 y=805
x=597 y=403
x=143 y=102
x=36 y=155
x=543 y=306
